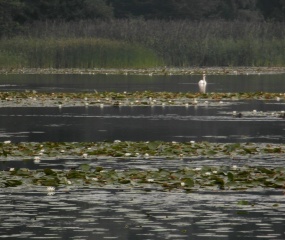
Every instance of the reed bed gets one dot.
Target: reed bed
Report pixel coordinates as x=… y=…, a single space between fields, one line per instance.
x=74 y=53
x=143 y=43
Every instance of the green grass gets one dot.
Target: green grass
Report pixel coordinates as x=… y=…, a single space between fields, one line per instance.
x=75 y=53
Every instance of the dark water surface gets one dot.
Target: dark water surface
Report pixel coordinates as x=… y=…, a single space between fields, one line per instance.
x=132 y=214
x=80 y=124
x=120 y=83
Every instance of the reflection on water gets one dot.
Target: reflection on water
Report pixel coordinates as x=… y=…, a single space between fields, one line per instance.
x=202 y=88
x=80 y=124
x=130 y=83
x=202 y=84
x=67 y=163
x=133 y=214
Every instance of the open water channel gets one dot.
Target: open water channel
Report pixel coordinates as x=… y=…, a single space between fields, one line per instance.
x=121 y=213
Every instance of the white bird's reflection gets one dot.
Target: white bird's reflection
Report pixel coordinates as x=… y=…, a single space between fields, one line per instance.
x=202 y=84
x=202 y=88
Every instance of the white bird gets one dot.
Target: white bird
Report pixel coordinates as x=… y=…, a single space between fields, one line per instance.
x=203 y=82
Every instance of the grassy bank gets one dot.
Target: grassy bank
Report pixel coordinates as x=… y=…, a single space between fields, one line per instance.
x=74 y=52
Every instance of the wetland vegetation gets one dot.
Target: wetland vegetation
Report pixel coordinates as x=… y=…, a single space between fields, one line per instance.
x=145 y=44
x=229 y=177
x=146 y=98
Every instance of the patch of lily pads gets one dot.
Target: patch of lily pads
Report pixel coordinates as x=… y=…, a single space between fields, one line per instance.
x=145 y=98
x=186 y=179
x=128 y=149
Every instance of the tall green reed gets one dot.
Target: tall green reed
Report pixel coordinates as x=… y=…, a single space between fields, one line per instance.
x=74 y=53
x=157 y=42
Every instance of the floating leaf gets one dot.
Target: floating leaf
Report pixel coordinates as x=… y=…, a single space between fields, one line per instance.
x=231 y=176
x=265 y=170
x=48 y=181
x=98 y=169
x=5 y=153
x=153 y=145
x=232 y=147
x=188 y=182
x=12 y=183
x=85 y=167
x=244 y=202
x=124 y=181
x=250 y=150
x=49 y=171
x=22 y=172
x=75 y=174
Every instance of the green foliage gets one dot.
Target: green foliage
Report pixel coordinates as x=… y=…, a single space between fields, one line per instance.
x=14 y=13
x=10 y=14
x=68 y=10
x=177 y=43
x=187 y=9
x=184 y=179
x=74 y=53
x=134 y=149
x=188 y=178
x=244 y=202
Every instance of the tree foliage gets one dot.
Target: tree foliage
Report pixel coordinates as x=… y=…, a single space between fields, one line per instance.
x=10 y=15
x=14 y=13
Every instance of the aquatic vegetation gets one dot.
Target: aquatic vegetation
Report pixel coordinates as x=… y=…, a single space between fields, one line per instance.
x=228 y=177
x=223 y=178
x=127 y=149
x=184 y=178
x=116 y=99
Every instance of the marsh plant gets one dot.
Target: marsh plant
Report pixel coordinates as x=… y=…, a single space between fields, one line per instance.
x=74 y=52
x=145 y=43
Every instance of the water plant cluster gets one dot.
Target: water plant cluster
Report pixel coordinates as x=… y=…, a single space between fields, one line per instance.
x=126 y=149
x=145 y=98
x=206 y=177
x=223 y=178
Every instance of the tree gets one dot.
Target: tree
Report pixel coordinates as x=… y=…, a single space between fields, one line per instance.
x=163 y=9
x=11 y=12
x=98 y=9
x=273 y=9
x=68 y=10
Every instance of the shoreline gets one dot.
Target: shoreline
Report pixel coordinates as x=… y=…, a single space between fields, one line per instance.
x=150 y=71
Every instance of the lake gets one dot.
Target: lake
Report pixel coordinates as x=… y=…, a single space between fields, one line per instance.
x=130 y=83
x=143 y=123
x=214 y=124
x=116 y=212
x=131 y=214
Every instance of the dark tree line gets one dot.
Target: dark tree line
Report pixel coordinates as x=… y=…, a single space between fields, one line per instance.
x=15 y=13
x=255 y=10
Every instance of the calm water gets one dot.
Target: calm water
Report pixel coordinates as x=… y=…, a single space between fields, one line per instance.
x=131 y=214
x=120 y=83
x=214 y=124
x=126 y=214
